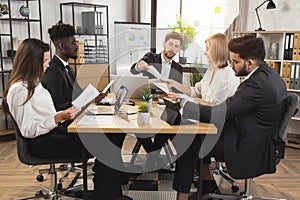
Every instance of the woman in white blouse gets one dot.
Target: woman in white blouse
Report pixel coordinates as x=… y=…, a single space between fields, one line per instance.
x=31 y=105
x=219 y=82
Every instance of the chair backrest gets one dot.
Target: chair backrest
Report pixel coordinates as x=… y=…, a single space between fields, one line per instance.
x=24 y=154
x=291 y=110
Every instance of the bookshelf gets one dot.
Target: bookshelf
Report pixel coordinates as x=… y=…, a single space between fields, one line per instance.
x=15 y=26
x=92 y=35
x=283 y=54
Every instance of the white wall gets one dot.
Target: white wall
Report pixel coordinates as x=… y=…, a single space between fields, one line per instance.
x=284 y=17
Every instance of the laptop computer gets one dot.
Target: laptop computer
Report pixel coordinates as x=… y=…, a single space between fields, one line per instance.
x=134 y=84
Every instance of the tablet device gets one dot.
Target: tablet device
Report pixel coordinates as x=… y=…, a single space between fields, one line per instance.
x=172 y=115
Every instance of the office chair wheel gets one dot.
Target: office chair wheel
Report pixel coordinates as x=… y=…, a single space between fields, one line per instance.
x=234 y=188
x=59 y=186
x=39 y=193
x=40 y=178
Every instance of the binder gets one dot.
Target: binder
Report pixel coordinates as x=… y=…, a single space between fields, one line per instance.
x=276 y=66
x=291 y=46
x=297 y=75
x=295 y=46
x=292 y=76
x=283 y=70
x=286 y=46
x=287 y=74
x=298 y=50
x=283 y=73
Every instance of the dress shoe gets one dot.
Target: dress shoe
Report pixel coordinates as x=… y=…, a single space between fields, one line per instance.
x=208 y=186
x=127 y=176
x=131 y=174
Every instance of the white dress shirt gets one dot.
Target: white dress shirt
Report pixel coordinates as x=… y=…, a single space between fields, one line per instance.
x=165 y=67
x=36 y=116
x=218 y=89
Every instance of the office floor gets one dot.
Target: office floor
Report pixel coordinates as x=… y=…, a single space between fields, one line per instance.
x=18 y=180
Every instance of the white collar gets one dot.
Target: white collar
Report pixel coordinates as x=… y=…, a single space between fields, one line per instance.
x=163 y=60
x=64 y=62
x=248 y=76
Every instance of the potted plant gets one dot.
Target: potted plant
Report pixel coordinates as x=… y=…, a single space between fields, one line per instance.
x=147 y=97
x=143 y=114
x=196 y=77
x=188 y=34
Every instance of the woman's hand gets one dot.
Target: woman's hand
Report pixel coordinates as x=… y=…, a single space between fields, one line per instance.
x=66 y=115
x=173 y=96
x=172 y=83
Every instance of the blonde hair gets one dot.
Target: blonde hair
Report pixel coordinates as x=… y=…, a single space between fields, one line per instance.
x=218 y=48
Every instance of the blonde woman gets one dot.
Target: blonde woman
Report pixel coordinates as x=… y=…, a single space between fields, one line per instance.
x=219 y=81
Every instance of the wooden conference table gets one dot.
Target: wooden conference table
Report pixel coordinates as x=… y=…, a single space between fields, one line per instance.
x=110 y=124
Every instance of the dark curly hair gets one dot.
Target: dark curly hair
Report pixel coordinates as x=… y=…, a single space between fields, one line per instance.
x=60 y=30
x=248 y=47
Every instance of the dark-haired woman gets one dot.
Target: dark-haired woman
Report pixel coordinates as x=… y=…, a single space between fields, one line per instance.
x=32 y=108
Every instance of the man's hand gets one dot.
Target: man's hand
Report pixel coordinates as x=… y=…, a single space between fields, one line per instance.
x=142 y=66
x=100 y=96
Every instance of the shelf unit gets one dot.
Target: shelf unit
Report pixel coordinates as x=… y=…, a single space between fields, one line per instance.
x=92 y=34
x=283 y=54
x=14 y=29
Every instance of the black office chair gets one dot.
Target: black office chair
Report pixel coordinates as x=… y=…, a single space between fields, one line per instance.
x=55 y=189
x=292 y=109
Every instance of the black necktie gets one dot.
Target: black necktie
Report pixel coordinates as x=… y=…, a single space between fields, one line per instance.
x=70 y=75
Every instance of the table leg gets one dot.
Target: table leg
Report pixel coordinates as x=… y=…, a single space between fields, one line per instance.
x=200 y=180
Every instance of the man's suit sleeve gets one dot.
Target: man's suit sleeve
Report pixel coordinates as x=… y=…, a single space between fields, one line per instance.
x=246 y=98
x=56 y=93
x=145 y=58
x=133 y=69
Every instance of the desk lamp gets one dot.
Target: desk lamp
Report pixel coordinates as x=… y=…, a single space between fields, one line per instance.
x=271 y=5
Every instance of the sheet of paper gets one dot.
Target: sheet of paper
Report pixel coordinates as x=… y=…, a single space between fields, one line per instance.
x=108 y=86
x=155 y=73
x=96 y=120
x=86 y=96
x=162 y=86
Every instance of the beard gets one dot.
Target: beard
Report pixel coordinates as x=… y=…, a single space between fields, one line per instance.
x=169 y=54
x=73 y=56
x=242 y=71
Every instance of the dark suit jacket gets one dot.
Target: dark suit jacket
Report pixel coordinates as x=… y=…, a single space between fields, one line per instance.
x=60 y=87
x=155 y=60
x=252 y=117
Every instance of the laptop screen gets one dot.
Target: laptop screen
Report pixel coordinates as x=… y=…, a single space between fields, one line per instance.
x=120 y=97
x=134 y=84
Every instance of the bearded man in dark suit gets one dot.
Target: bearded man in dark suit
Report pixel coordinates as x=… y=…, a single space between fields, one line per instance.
x=168 y=68
x=250 y=122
